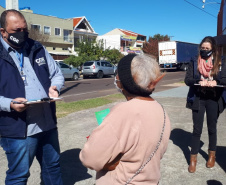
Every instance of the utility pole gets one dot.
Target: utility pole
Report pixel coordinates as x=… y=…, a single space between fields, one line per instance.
x=12 y=4
x=170 y=37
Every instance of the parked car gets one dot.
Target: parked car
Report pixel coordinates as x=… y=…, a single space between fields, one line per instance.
x=98 y=68
x=68 y=72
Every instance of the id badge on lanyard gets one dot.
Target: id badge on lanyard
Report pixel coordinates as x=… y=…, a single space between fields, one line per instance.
x=23 y=76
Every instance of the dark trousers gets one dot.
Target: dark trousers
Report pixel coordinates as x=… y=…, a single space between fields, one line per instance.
x=212 y=113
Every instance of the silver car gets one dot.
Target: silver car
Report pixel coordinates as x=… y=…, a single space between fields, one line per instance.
x=67 y=71
x=98 y=68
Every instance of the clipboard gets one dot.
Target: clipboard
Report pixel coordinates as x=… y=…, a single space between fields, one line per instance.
x=214 y=86
x=43 y=100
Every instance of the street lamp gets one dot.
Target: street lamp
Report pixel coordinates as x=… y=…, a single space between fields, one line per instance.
x=204 y=3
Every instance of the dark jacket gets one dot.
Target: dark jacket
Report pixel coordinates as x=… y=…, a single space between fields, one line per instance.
x=13 y=124
x=193 y=77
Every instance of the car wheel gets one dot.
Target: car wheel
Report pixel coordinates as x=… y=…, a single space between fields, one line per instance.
x=84 y=77
x=100 y=74
x=75 y=76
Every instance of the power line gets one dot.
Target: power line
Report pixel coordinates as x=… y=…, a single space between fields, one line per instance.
x=200 y=8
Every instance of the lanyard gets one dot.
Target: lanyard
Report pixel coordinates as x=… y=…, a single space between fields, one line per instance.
x=21 y=59
x=21 y=63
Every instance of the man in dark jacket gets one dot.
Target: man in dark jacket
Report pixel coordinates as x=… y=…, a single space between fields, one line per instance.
x=27 y=72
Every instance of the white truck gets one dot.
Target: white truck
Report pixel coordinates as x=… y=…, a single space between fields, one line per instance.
x=176 y=54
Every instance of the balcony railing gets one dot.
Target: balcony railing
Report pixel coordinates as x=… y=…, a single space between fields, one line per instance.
x=68 y=39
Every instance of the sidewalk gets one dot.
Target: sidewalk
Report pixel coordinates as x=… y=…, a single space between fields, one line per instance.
x=74 y=128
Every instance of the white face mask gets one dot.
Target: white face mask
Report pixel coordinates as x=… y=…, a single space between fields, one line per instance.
x=116 y=86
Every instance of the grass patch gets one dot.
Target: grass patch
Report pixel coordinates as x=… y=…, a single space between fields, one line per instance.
x=63 y=109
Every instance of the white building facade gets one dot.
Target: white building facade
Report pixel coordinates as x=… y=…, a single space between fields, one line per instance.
x=123 y=40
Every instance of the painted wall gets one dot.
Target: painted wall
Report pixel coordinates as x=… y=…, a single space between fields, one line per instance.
x=112 y=41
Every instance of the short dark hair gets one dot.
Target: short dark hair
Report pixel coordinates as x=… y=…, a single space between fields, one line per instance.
x=4 y=14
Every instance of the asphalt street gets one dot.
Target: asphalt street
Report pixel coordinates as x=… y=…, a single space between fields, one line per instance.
x=74 y=128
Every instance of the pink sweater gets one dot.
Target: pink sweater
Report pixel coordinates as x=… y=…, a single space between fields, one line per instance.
x=132 y=128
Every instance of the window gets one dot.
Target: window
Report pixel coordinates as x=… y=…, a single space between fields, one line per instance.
x=35 y=27
x=47 y=30
x=104 y=64
x=57 y=31
x=88 y=64
x=67 y=35
x=141 y=38
x=108 y=65
x=63 y=65
x=54 y=48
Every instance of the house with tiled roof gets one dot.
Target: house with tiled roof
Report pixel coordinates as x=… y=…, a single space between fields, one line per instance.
x=124 y=40
x=62 y=34
x=83 y=30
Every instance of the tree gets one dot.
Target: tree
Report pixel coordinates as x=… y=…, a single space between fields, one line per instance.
x=113 y=55
x=93 y=50
x=151 y=47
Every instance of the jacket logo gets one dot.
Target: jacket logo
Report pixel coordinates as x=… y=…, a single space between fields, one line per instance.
x=14 y=39
x=40 y=61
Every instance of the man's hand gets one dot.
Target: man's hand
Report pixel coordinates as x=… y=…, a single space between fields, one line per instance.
x=53 y=93
x=17 y=106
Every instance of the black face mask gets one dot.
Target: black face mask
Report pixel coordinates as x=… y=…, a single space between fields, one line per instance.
x=205 y=54
x=17 y=39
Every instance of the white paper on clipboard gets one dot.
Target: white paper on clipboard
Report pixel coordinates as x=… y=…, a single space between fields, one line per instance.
x=214 y=86
x=42 y=100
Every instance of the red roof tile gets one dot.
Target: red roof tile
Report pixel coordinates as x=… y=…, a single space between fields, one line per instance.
x=130 y=33
x=76 y=21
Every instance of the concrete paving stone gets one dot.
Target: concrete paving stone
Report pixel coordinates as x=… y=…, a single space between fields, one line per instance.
x=74 y=128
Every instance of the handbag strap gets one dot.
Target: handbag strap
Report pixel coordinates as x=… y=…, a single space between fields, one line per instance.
x=153 y=153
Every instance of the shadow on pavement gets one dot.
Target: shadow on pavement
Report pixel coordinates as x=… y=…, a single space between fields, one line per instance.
x=182 y=139
x=213 y=182
x=72 y=168
x=69 y=88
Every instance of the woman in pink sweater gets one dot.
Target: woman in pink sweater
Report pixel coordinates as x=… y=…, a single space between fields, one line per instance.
x=134 y=136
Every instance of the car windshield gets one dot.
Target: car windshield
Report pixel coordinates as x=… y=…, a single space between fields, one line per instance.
x=88 y=63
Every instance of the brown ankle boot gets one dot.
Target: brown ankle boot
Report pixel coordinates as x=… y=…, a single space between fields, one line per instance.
x=192 y=165
x=211 y=161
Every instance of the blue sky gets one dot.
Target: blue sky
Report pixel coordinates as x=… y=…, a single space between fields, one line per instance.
x=182 y=19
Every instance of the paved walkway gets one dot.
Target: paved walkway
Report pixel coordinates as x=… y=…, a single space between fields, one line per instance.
x=74 y=128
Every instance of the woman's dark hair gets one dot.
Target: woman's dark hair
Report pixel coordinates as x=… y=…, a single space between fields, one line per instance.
x=216 y=56
x=4 y=14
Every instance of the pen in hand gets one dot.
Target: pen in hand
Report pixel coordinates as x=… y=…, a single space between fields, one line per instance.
x=17 y=102
x=18 y=105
